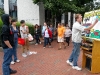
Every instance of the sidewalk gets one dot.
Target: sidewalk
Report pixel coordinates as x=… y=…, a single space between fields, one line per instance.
x=48 y=61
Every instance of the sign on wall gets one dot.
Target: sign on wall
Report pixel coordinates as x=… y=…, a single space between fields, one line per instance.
x=89 y=18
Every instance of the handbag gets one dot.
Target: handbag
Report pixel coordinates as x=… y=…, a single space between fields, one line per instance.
x=21 y=41
x=30 y=37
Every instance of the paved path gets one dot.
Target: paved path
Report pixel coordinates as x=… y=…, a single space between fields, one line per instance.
x=48 y=61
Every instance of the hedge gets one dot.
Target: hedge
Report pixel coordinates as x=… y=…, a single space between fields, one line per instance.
x=30 y=26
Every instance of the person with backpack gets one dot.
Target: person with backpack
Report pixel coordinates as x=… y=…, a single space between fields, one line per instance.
x=15 y=32
x=47 y=37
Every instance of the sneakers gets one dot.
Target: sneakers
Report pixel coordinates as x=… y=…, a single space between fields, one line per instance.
x=17 y=61
x=29 y=53
x=24 y=55
x=77 y=68
x=36 y=44
x=40 y=42
x=13 y=72
x=50 y=46
x=70 y=63
x=12 y=62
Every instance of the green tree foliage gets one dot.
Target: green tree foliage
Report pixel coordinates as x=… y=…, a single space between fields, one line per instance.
x=61 y=6
x=1 y=11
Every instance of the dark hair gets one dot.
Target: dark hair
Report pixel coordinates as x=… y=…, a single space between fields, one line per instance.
x=13 y=20
x=59 y=23
x=36 y=25
x=22 y=21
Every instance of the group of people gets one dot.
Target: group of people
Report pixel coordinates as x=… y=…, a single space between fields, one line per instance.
x=10 y=33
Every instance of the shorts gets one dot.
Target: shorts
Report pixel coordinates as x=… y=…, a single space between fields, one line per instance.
x=24 y=36
x=60 y=39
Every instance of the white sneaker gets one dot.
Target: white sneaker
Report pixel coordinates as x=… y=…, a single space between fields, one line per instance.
x=18 y=61
x=70 y=63
x=33 y=52
x=49 y=46
x=29 y=53
x=24 y=55
x=36 y=44
x=40 y=42
x=77 y=68
x=12 y=62
x=44 y=47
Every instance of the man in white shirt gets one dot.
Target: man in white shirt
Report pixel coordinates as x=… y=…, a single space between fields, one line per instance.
x=76 y=39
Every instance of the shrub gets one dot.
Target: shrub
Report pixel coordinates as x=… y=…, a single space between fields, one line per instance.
x=1 y=11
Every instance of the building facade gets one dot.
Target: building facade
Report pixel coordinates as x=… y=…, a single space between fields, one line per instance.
x=25 y=10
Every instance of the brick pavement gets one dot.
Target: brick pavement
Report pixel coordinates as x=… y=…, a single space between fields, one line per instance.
x=48 y=61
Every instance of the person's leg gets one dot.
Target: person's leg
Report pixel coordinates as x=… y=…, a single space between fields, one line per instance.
x=44 y=41
x=59 y=41
x=60 y=45
x=63 y=43
x=36 y=37
x=7 y=60
x=67 y=40
x=72 y=54
x=27 y=44
x=76 y=53
x=38 y=40
x=15 y=50
x=49 y=41
x=23 y=49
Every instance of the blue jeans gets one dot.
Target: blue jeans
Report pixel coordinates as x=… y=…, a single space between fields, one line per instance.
x=75 y=53
x=14 y=52
x=37 y=39
x=6 y=61
x=46 y=41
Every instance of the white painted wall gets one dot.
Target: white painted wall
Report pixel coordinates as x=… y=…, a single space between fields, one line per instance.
x=28 y=11
x=6 y=6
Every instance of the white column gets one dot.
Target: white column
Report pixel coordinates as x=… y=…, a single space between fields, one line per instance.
x=69 y=19
x=73 y=18
x=63 y=18
x=6 y=6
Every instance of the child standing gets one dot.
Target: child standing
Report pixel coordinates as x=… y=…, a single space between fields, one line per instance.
x=68 y=33
x=24 y=31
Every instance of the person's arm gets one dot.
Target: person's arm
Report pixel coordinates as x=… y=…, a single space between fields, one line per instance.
x=27 y=30
x=8 y=43
x=5 y=37
x=91 y=26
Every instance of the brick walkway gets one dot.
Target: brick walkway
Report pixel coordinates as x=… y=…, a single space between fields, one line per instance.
x=49 y=61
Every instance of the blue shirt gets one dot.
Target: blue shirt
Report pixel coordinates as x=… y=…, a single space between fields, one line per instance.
x=15 y=33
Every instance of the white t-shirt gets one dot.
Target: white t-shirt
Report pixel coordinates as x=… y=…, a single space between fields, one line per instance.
x=68 y=33
x=76 y=32
x=24 y=30
x=46 y=34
